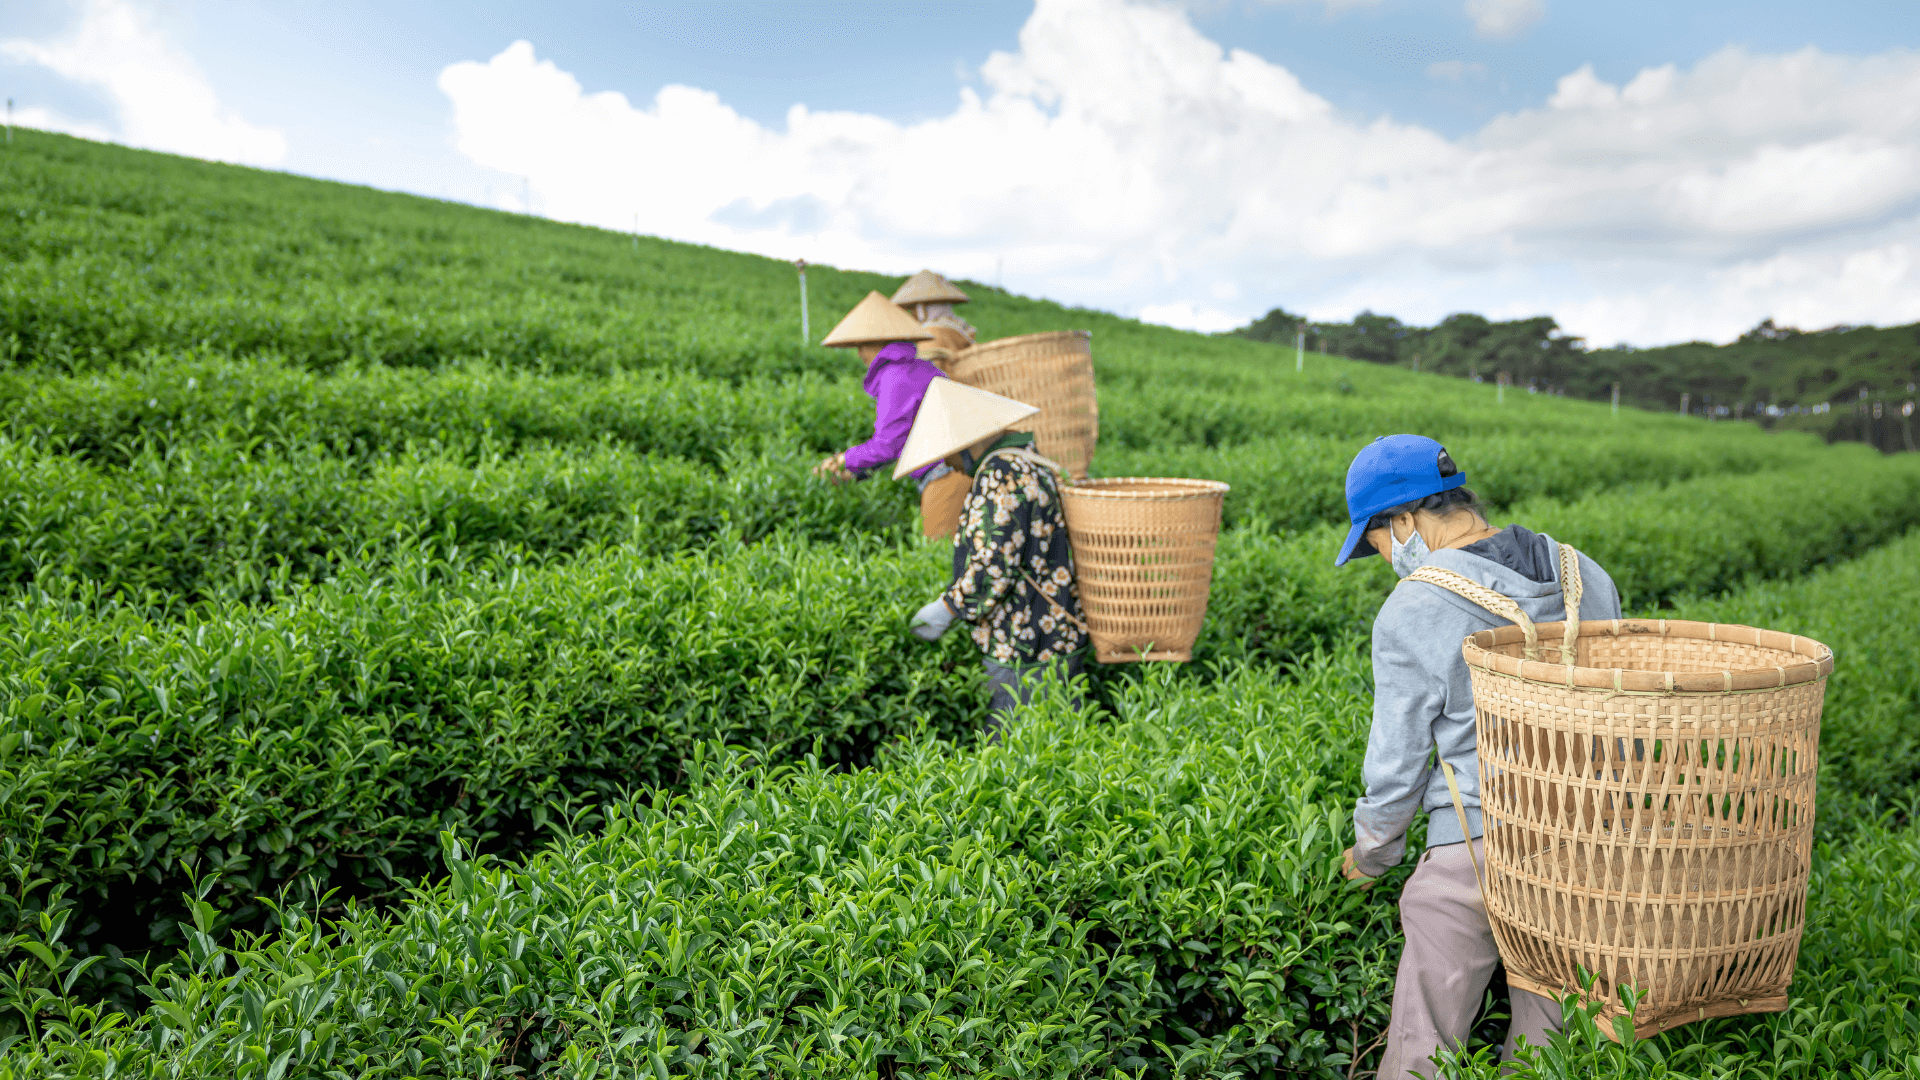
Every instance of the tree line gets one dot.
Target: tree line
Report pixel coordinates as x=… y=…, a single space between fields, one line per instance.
x=1843 y=382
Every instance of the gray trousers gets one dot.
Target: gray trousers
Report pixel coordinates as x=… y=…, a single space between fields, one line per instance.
x=1014 y=685
x=1444 y=970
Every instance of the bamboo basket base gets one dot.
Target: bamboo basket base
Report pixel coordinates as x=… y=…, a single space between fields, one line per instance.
x=1735 y=909
x=1667 y=1020
x=1125 y=656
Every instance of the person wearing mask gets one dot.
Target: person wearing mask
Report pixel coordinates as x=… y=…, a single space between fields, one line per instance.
x=1013 y=579
x=1407 y=503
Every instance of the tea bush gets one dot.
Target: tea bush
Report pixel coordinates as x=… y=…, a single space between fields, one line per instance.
x=1165 y=885
x=1056 y=904
x=347 y=535
x=501 y=692
x=215 y=519
x=337 y=734
x=1295 y=481
x=113 y=253
x=1276 y=598
x=162 y=401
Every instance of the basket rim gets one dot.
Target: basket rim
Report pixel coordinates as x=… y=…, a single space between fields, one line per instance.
x=1477 y=648
x=1116 y=487
x=1022 y=339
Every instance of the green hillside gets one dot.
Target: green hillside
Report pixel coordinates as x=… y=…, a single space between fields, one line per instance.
x=425 y=653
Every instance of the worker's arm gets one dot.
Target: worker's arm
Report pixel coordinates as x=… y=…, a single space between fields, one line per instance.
x=993 y=528
x=1407 y=698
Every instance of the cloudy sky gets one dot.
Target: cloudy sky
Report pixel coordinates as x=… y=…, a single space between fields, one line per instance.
x=1644 y=172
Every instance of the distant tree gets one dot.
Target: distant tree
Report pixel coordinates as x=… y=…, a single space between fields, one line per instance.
x=1783 y=367
x=1278 y=325
x=1368 y=337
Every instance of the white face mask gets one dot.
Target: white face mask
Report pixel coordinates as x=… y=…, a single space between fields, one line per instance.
x=1408 y=554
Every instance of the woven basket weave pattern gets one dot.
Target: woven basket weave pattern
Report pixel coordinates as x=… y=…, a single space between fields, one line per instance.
x=1656 y=839
x=1143 y=556
x=1053 y=371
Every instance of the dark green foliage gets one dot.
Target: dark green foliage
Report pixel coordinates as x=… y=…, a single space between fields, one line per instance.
x=1771 y=364
x=1846 y=369
x=219 y=520
x=1165 y=884
x=1292 y=482
x=1529 y=352
x=509 y=692
x=164 y=401
x=347 y=535
x=333 y=736
x=1058 y=904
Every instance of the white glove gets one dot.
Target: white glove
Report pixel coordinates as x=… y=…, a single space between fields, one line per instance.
x=931 y=621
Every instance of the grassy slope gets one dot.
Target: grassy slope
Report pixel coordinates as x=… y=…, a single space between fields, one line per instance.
x=433 y=359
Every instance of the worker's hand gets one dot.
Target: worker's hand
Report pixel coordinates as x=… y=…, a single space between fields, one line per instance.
x=1351 y=870
x=931 y=621
x=833 y=467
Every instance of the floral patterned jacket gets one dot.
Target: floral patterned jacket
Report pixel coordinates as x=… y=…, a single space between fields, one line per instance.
x=1012 y=566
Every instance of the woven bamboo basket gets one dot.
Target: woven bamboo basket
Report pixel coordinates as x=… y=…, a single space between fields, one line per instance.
x=1648 y=809
x=1143 y=557
x=1052 y=371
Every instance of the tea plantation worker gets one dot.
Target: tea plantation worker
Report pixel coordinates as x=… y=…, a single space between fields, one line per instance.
x=896 y=379
x=930 y=298
x=1407 y=502
x=1012 y=566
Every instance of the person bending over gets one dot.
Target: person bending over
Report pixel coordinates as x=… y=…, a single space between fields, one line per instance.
x=1406 y=502
x=1012 y=565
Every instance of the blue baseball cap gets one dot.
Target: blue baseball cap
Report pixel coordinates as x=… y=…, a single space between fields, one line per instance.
x=1391 y=470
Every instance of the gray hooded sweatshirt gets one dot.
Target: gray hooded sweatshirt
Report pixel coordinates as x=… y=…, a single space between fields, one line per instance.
x=1423 y=701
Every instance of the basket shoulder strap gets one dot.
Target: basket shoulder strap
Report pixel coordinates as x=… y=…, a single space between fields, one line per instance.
x=1571 y=591
x=1466 y=834
x=1022 y=452
x=1475 y=593
x=1054 y=604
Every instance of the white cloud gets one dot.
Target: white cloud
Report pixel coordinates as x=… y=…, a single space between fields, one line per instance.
x=1120 y=158
x=1190 y=316
x=1502 y=19
x=1456 y=70
x=162 y=99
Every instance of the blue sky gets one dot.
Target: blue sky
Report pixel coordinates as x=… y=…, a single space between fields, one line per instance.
x=1194 y=164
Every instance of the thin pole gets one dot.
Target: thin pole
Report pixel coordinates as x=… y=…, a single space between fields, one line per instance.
x=1616 y=401
x=806 y=335
x=1500 y=388
x=1299 y=350
x=636 y=230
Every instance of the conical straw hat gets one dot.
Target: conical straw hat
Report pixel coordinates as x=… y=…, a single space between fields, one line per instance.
x=876 y=319
x=954 y=416
x=927 y=287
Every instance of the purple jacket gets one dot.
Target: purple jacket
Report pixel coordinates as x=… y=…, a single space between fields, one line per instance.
x=896 y=382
